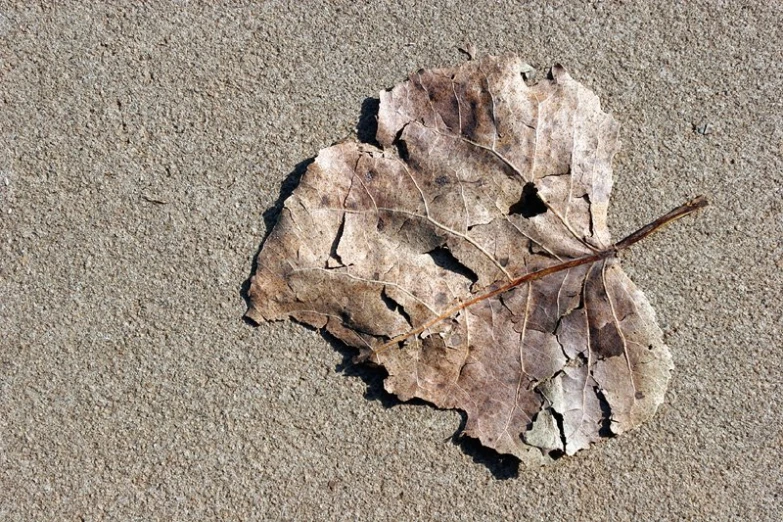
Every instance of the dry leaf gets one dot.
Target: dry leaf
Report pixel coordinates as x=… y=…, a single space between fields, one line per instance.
x=470 y=257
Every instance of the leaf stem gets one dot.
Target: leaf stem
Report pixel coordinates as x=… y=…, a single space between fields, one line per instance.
x=681 y=211
x=693 y=205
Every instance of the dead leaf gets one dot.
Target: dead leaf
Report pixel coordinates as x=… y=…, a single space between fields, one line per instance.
x=470 y=257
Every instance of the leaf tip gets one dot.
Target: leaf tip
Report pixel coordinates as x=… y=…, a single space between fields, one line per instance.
x=559 y=74
x=253 y=315
x=470 y=50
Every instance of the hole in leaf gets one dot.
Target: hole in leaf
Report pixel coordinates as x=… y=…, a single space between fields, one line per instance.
x=394 y=306
x=529 y=204
x=606 y=413
x=443 y=257
x=336 y=243
x=556 y=454
x=402 y=150
x=586 y=198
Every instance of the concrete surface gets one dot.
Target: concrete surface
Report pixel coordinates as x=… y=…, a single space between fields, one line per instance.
x=142 y=147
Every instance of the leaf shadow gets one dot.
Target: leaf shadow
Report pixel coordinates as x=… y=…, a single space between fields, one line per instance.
x=502 y=467
x=367 y=126
x=371 y=376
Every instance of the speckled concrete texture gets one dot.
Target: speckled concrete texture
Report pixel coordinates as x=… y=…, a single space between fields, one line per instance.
x=143 y=150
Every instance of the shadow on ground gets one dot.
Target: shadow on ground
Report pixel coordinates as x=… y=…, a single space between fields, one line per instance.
x=502 y=467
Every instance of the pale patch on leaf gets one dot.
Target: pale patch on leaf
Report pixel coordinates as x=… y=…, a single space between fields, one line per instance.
x=470 y=257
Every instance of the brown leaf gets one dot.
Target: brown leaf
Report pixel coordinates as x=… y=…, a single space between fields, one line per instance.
x=470 y=257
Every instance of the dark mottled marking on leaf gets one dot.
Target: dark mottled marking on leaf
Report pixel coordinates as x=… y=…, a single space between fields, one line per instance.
x=606 y=341
x=441 y=299
x=470 y=121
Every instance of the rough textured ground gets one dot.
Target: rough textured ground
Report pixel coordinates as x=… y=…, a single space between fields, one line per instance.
x=140 y=150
